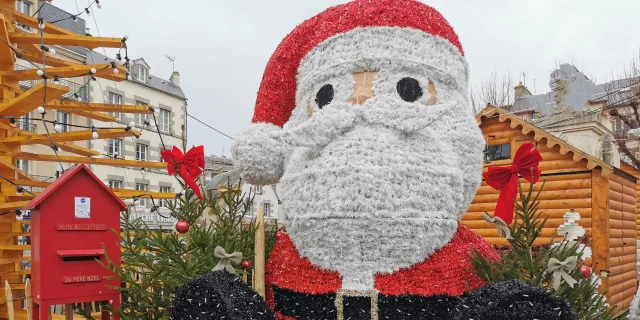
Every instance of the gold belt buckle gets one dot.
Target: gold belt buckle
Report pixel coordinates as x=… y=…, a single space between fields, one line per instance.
x=372 y=294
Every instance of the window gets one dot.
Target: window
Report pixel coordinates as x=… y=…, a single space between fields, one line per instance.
x=24 y=165
x=115 y=148
x=141 y=152
x=115 y=99
x=164 y=202
x=258 y=189
x=24 y=123
x=142 y=73
x=139 y=118
x=497 y=152
x=266 y=209
x=64 y=119
x=115 y=184
x=141 y=187
x=164 y=121
x=23 y=7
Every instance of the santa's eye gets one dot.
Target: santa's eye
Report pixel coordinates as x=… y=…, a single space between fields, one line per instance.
x=409 y=89
x=324 y=95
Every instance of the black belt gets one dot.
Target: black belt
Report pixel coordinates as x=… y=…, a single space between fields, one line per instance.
x=304 y=306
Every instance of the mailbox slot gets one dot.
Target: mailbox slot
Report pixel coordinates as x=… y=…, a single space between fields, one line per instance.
x=80 y=255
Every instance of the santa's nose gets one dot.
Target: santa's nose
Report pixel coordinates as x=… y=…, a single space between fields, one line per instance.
x=363 y=87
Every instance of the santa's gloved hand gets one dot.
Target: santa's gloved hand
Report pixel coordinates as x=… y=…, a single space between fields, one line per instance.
x=219 y=295
x=513 y=300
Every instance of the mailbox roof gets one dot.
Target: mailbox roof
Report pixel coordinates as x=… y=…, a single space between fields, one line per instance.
x=51 y=189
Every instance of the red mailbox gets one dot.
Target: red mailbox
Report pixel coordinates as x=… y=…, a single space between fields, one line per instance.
x=70 y=221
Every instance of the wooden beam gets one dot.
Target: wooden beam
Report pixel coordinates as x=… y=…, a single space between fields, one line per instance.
x=600 y=229
x=32 y=22
x=68 y=72
x=67 y=40
x=12 y=205
x=72 y=106
x=69 y=136
x=97 y=161
x=28 y=183
x=69 y=147
x=7 y=56
x=31 y=99
x=95 y=115
x=33 y=53
x=16 y=169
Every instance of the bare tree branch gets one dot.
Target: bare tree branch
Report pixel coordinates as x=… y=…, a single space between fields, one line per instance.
x=496 y=90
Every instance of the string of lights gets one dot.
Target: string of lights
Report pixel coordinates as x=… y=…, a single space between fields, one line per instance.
x=210 y=127
x=86 y=10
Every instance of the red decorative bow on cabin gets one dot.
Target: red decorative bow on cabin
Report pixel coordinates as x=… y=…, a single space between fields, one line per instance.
x=505 y=179
x=189 y=165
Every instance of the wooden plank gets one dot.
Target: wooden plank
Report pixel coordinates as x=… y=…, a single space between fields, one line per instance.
x=32 y=22
x=31 y=99
x=8 y=295
x=29 y=299
x=69 y=147
x=89 y=42
x=72 y=106
x=32 y=52
x=95 y=115
x=156 y=195
x=14 y=247
x=70 y=136
x=6 y=54
x=21 y=174
x=68 y=72
x=86 y=160
x=28 y=183
x=600 y=229
x=12 y=205
x=259 y=264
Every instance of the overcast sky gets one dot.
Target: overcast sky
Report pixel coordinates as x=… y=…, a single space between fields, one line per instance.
x=222 y=46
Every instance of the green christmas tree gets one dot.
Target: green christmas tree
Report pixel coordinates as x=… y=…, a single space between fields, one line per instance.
x=538 y=265
x=154 y=264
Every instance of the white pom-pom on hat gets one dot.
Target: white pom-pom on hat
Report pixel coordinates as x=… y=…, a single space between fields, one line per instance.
x=257 y=156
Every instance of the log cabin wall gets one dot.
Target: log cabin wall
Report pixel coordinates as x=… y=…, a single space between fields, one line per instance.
x=605 y=198
x=622 y=241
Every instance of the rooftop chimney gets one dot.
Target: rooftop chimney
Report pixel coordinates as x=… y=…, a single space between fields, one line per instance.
x=175 y=78
x=521 y=91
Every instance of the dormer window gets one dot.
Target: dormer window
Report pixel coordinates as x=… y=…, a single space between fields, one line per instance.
x=142 y=73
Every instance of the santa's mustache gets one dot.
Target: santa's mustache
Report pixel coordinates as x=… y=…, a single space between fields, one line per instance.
x=339 y=118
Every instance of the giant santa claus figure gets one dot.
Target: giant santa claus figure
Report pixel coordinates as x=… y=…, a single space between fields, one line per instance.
x=363 y=117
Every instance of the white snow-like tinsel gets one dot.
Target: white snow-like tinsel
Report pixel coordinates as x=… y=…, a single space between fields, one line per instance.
x=376 y=187
x=571 y=231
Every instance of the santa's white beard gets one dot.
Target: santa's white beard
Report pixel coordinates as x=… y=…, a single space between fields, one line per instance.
x=373 y=198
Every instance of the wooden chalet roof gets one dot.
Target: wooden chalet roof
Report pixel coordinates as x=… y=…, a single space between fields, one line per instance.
x=540 y=134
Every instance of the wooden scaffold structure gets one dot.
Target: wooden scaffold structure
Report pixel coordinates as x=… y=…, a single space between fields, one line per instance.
x=15 y=102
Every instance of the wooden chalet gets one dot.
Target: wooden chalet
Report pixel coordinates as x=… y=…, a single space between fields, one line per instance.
x=604 y=196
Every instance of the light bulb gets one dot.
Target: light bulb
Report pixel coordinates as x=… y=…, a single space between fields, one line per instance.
x=12 y=121
x=129 y=77
x=116 y=71
x=126 y=37
x=153 y=128
x=156 y=110
x=41 y=25
x=41 y=109
x=40 y=72
x=115 y=154
x=57 y=127
x=56 y=80
x=132 y=124
x=95 y=135
x=19 y=191
x=52 y=51
x=99 y=5
x=93 y=70
x=79 y=99
x=19 y=217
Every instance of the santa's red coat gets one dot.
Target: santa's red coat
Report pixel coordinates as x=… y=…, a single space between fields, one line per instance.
x=447 y=272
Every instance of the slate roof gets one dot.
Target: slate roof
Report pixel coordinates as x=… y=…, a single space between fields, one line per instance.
x=232 y=177
x=574 y=90
x=52 y=13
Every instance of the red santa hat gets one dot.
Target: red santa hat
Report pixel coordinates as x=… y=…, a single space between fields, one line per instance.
x=277 y=95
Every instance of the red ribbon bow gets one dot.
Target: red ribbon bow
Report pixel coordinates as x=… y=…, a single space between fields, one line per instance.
x=189 y=165
x=505 y=179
